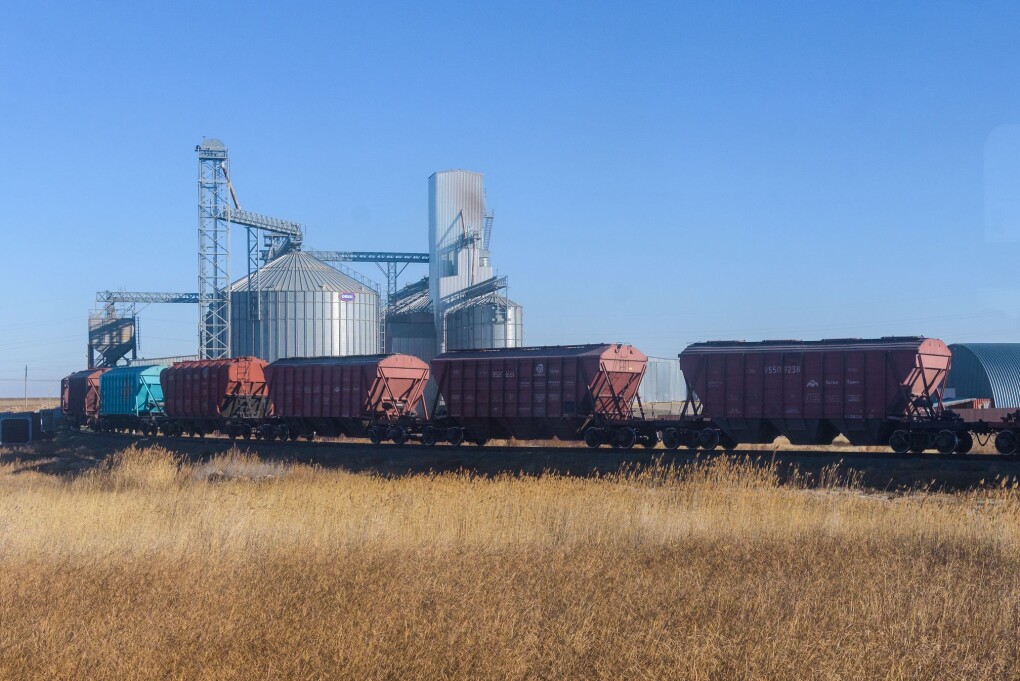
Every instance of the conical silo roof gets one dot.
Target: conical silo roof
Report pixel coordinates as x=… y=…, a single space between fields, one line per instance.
x=298 y=271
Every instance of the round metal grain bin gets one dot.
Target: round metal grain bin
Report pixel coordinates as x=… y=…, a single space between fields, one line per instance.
x=298 y=306
x=490 y=321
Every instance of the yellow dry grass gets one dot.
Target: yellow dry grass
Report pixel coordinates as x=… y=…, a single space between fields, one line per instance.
x=33 y=404
x=242 y=569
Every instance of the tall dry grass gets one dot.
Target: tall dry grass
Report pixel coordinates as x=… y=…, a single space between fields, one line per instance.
x=240 y=569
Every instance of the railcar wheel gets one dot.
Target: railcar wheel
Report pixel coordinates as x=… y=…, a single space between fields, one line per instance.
x=397 y=434
x=626 y=438
x=691 y=439
x=246 y=432
x=592 y=438
x=455 y=435
x=918 y=441
x=650 y=441
x=946 y=442
x=375 y=435
x=966 y=443
x=1006 y=442
x=708 y=439
x=429 y=436
x=231 y=432
x=899 y=441
x=670 y=438
x=283 y=433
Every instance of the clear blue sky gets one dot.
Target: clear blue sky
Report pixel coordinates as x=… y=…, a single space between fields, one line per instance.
x=660 y=173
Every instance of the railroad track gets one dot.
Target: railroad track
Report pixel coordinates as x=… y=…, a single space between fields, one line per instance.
x=876 y=470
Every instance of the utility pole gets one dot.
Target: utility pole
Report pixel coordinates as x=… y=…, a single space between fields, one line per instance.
x=26 y=387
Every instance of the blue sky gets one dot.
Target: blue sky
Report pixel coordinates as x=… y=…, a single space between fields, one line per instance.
x=660 y=173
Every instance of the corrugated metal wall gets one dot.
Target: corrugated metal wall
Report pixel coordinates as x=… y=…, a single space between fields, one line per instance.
x=412 y=334
x=491 y=322
x=305 y=309
x=304 y=324
x=456 y=203
x=663 y=382
x=989 y=370
x=457 y=258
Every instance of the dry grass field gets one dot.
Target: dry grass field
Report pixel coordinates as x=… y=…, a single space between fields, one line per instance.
x=148 y=567
x=34 y=403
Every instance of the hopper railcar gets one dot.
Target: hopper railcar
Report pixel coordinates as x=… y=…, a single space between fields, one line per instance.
x=570 y=392
x=373 y=396
x=131 y=400
x=873 y=392
x=205 y=396
x=80 y=398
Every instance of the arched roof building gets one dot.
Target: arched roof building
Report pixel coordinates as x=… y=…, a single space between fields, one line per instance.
x=989 y=370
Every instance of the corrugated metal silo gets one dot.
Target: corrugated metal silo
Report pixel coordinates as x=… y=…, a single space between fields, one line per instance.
x=301 y=307
x=456 y=224
x=989 y=370
x=483 y=323
x=410 y=324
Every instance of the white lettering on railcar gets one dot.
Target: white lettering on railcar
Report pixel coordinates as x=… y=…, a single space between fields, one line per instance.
x=781 y=369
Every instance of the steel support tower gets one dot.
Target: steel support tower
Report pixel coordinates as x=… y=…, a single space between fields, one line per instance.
x=391 y=260
x=213 y=250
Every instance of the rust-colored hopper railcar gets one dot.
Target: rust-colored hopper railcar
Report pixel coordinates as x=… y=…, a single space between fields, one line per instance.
x=229 y=395
x=538 y=392
x=374 y=396
x=811 y=391
x=80 y=398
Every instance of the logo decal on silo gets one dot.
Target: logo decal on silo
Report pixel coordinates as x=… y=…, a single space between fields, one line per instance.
x=539 y=369
x=347 y=297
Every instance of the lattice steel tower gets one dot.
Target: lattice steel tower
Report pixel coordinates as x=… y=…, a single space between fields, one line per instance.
x=213 y=250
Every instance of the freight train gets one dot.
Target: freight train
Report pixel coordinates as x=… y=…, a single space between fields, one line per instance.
x=873 y=392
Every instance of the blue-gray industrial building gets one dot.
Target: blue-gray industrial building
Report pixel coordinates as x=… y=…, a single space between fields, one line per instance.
x=985 y=370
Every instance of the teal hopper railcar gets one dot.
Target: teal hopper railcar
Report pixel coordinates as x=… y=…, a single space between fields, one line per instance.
x=130 y=397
